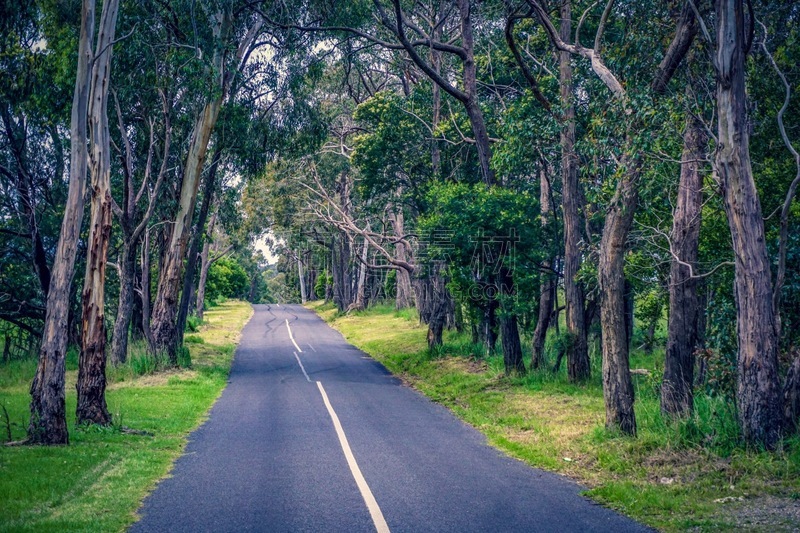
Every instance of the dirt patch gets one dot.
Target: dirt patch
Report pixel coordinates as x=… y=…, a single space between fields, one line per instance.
x=683 y=466
x=763 y=513
x=461 y=364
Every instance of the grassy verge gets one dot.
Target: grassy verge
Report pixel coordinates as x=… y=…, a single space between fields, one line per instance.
x=674 y=476
x=98 y=481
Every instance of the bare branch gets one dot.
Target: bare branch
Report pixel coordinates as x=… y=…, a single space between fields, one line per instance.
x=790 y=194
x=602 y=26
x=598 y=66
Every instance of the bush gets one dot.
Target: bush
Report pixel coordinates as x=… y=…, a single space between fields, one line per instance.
x=323 y=281
x=227 y=279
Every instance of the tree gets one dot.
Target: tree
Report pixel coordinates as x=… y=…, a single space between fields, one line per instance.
x=758 y=389
x=48 y=422
x=221 y=70
x=677 y=397
x=92 y=361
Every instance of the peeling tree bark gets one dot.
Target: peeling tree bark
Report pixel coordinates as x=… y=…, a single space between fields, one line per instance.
x=91 y=383
x=758 y=389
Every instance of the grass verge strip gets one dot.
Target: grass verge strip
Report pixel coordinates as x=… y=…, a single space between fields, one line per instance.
x=98 y=481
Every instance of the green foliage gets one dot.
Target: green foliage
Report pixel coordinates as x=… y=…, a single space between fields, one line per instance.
x=324 y=280
x=481 y=233
x=720 y=357
x=146 y=363
x=395 y=151
x=193 y=323
x=193 y=339
x=227 y=279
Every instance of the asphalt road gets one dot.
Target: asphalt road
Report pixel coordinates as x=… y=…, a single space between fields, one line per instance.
x=313 y=435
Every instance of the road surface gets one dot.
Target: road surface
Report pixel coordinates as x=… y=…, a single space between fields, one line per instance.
x=313 y=435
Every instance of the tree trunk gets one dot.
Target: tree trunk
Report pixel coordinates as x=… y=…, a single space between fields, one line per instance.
x=433 y=297
x=509 y=332
x=487 y=330
x=677 y=396
x=164 y=325
x=548 y=282
x=578 y=367
x=340 y=270
x=48 y=422
x=301 y=276
x=165 y=310
x=119 y=340
x=361 y=288
x=145 y=278
x=758 y=389
x=91 y=384
x=404 y=297
x=471 y=106
x=205 y=264
x=340 y=251
x=543 y=320
x=137 y=316
x=617 y=385
x=209 y=188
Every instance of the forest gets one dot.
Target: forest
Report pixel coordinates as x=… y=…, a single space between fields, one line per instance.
x=567 y=182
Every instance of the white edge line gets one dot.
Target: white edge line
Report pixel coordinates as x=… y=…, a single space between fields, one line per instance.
x=292 y=336
x=314 y=349
x=301 y=366
x=366 y=493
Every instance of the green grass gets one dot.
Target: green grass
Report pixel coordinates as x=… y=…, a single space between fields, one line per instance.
x=675 y=475
x=98 y=481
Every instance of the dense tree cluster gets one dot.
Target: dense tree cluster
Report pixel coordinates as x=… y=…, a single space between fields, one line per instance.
x=521 y=169
x=504 y=166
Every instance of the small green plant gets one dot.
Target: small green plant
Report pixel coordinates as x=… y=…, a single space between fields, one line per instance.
x=193 y=324
x=148 y=363
x=409 y=313
x=324 y=280
x=184 y=357
x=193 y=339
